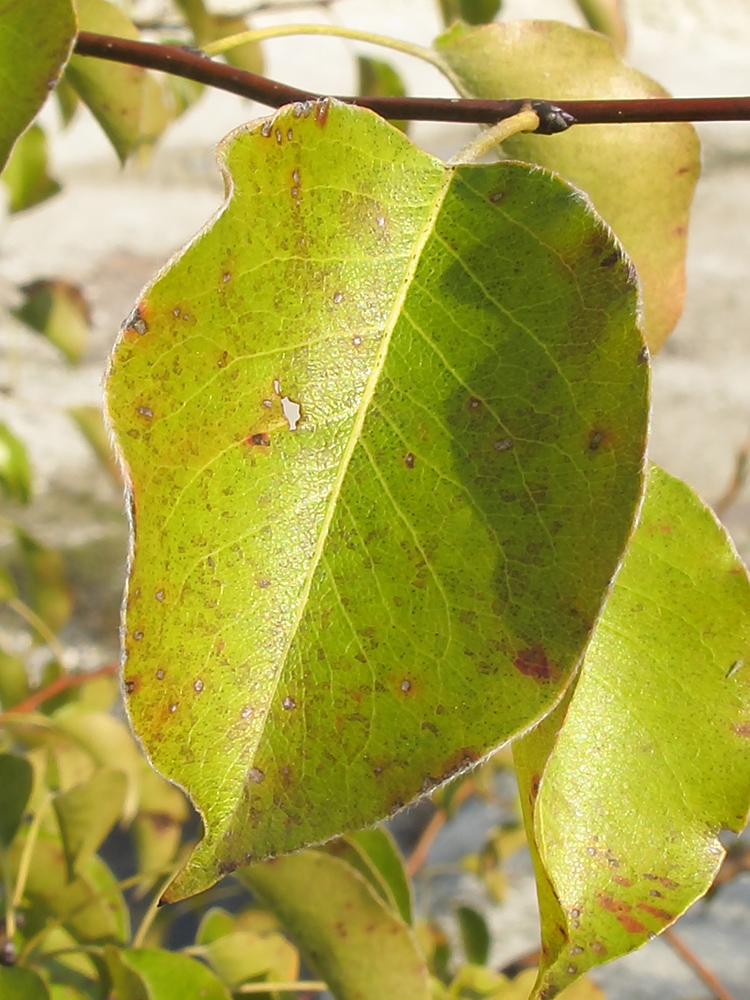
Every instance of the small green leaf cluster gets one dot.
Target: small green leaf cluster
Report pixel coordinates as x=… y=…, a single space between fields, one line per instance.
x=382 y=427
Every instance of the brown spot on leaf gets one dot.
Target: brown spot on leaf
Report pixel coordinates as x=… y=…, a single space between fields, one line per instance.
x=136 y=325
x=655 y=912
x=409 y=460
x=533 y=662
x=743 y=730
x=321 y=111
x=474 y=404
x=497 y=196
x=626 y=882
x=132 y=684
x=610 y=260
x=668 y=883
x=622 y=913
x=598 y=439
x=261 y=440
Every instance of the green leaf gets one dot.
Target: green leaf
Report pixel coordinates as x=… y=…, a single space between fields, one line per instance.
x=379 y=849
x=15 y=471
x=67 y=102
x=109 y=743
x=59 y=311
x=17 y=983
x=132 y=107
x=46 y=581
x=25 y=174
x=652 y=757
x=155 y=974
x=475 y=935
x=246 y=955
x=470 y=11
x=90 y=907
x=16 y=781
x=640 y=178
x=357 y=944
x=607 y=17
x=14 y=679
x=215 y=923
x=379 y=79
x=375 y=476
x=86 y=813
x=33 y=50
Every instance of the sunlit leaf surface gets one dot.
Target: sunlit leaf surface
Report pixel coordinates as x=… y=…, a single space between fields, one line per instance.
x=383 y=423
x=33 y=50
x=653 y=757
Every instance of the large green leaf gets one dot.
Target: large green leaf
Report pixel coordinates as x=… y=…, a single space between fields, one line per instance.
x=131 y=105
x=25 y=175
x=383 y=423
x=16 y=780
x=360 y=947
x=652 y=757
x=640 y=177
x=87 y=812
x=33 y=50
x=22 y=984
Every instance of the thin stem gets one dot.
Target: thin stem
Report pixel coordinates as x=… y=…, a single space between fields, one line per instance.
x=311 y=985
x=690 y=958
x=419 y=855
x=280 y=30
x=153 y=907
x=39 y=625
x=55 y=687
x=525 y=121
x=178 y=61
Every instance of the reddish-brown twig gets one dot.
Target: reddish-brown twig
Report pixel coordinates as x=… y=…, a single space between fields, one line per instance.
x=193 y=65
x=63 y=683
x=690 y=958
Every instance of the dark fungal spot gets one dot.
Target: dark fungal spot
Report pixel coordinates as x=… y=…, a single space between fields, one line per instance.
x=266 y=129
x=503 y=444
x=474 y=404
x=138 y=635
x=643 y=355
x=259 y=440
x=409 y=460
x=533 y=662
x=497 y=196
x=288 y=703
x=256 y=775
x=321 y=111
x=131 y=686
x=160 y=675
x=610 y=260
x=406 y=686
x=136 y=322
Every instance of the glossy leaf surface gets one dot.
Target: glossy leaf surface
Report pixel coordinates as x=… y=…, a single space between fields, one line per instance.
x=356 y=943
x=640 y=177
x=33 y=50
x=384 y=435
x=652 y=758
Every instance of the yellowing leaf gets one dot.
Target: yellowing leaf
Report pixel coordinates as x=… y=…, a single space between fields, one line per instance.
x=361 y=949
x=627 y=787
x=383 y=423
x=33 y=50
x=640 y=177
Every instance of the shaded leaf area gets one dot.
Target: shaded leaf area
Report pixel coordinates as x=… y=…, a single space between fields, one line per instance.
x=16 y=779
x=45 y=580
x=640 y=178
x=132 y=106
x=384 y=424
x=378 y=78
x=474 y=982
x=652 y=758
x=606 y=16
x=469 y=11
x=25 y=175
x=360 y=947
x=59 y=311
x=33 y=51
x=90 y=422
x=15 y=471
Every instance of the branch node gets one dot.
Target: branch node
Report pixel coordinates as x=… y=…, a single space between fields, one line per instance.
x=551 y=118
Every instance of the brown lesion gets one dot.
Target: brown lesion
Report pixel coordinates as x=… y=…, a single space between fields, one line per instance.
x=533 y=662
